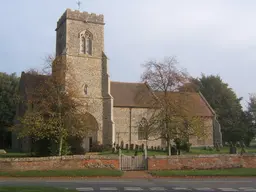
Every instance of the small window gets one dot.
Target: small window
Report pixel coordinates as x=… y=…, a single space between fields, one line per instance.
x=85 y=89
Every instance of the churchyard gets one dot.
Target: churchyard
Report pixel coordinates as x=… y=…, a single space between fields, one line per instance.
x=150 y=152
x=193 y=151
x=200 y=161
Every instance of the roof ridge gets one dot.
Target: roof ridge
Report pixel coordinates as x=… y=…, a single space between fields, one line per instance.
x=127 y=82
x=188 y=92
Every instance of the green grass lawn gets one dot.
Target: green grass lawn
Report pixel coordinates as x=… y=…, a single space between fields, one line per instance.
x=64 y=173
x=224 y=150
x=222 y=172
x=193 y=151
x=34 y=189
x=14 y=155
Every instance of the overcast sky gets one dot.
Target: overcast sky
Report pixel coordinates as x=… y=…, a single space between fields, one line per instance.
x=210 y=37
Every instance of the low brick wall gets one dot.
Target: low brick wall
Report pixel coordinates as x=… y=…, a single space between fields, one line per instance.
x=201 y=162
x=64 y=162
x=112 y=162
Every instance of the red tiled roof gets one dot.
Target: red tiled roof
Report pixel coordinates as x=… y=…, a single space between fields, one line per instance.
x=130 y=94
x=193 y=102
x=127 y=94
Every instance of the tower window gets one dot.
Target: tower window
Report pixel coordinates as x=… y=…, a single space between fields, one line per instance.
x=85 y=89
x=88 y=46
x=86 y=43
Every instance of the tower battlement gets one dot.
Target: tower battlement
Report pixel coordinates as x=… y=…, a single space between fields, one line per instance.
x=81 y=16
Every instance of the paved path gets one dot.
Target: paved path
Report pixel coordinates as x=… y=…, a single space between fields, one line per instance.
x=136 y=174
x=108 y=185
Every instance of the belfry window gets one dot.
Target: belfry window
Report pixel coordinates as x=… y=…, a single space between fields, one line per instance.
x=88 y=46
x=86 y=43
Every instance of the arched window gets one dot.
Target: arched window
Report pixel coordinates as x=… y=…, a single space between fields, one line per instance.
x=143 y=127
x=86 y=42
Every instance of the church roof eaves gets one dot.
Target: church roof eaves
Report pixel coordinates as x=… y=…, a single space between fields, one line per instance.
x=126 y=94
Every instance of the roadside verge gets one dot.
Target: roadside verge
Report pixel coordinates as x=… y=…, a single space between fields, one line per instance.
x=234 y=172
x=64 y=173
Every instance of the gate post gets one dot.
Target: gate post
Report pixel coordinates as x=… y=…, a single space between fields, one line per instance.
x=145 y=151
x=146 y=157
x=120 y=158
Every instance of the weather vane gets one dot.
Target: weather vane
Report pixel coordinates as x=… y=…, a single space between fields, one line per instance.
x=79 y=4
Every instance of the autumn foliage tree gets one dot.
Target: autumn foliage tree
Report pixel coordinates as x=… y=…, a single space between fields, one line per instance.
x=55 y=111
x=173 y=117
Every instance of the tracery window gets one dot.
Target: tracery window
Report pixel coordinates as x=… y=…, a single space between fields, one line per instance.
x=86 y=42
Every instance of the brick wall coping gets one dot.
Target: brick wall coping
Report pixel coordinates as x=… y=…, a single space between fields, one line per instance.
x=201 y=156
x=71 y=157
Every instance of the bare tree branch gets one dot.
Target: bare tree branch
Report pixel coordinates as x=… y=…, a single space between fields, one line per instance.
x=173 y=115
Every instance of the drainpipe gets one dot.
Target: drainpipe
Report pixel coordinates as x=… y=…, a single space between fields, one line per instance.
x=130 y=128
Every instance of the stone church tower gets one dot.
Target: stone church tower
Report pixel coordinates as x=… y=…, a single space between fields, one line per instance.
x=117 y=110
x=80 y=40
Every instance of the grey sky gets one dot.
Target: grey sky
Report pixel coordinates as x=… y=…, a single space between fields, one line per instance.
x=211 y=37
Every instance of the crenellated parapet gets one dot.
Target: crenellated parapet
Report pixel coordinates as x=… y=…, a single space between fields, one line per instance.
x=81 y=16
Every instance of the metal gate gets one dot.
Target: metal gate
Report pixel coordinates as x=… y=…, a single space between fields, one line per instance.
x=133 y=163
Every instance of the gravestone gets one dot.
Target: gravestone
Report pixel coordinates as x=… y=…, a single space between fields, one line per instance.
x=173 y=150
x=2 y=151
x=122 y=145
x=142 y=147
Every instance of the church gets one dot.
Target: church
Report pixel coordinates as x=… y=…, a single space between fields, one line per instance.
x=116 y=111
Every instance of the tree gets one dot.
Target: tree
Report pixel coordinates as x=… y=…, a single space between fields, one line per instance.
x=226 y=105
x=56 y=111
x=147 y=129
x=8 y=101
x=249 y=120
x=173 y=116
